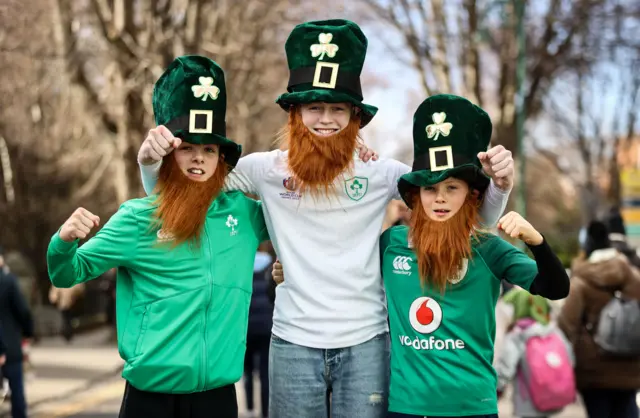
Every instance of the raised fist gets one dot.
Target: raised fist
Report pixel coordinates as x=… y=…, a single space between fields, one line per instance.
x=79 y=225
x=158 y=143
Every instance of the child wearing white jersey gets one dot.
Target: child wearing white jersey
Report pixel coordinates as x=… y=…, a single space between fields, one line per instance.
x=324 y=209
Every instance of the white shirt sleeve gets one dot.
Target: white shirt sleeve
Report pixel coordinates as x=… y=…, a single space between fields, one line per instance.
x=244 y=177
x=493 y=205
x=149 y=175
x=250 y=172
x=394 y=170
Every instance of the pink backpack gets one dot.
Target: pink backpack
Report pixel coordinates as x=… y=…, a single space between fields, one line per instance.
x=548 y=373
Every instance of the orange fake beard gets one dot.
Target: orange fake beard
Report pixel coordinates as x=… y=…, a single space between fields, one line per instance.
x=441 y=247
x=183 y=203
x=316 y=161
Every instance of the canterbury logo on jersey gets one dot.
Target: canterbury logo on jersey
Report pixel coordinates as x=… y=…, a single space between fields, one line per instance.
x=402 y=265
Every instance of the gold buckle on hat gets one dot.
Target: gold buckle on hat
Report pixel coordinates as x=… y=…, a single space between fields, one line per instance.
x=334 y=74
x=192 y=121
x=432 y=158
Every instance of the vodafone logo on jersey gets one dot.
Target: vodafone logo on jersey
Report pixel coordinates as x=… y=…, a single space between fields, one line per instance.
x=425 y=315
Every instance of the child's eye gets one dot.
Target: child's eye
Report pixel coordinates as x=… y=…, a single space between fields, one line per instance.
x=210 y=150
x=453 y=187
x=428 y=188
x=185 y=148
x=338 y=109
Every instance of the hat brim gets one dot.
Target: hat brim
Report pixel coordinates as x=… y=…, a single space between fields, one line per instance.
x=470 y=173
x=328 y=96
x=228 y=148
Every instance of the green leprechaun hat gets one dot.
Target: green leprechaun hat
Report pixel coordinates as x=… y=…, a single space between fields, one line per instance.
x=190 y=99
x=325 y=62
x=448 y=133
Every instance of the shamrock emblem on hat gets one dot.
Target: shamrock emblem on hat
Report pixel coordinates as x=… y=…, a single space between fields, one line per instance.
x=324 y=47
x=439 y=126
x=205 y=89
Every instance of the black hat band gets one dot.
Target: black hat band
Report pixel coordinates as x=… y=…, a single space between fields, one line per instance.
x=439 y=159
x=326 y=75
x=198 y=122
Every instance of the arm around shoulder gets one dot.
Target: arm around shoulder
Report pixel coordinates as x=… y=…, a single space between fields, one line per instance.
x=248 y=174
x=259 y=223
x=149 y=175
x=493 y=205
x=393 y=170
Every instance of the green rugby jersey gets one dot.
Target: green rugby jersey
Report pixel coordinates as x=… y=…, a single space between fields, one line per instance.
x=442 y=344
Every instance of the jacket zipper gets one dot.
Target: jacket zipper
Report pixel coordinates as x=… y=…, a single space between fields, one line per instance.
x=143 y=330
x=207 y=249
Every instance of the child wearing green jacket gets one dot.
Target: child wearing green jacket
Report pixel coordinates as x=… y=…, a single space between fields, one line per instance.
x=184 y=257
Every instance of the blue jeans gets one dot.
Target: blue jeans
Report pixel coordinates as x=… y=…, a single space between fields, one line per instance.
x=13 y=373
x=309 y=382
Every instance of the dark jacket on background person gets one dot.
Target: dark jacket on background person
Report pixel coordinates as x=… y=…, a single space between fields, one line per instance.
x=592 y=286
x=618 y=236
x=261 y=308
x=3 y=347
x=619 y=242
x=15 y=316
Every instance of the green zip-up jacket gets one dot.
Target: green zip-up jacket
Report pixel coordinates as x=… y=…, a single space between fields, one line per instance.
x=182 y=313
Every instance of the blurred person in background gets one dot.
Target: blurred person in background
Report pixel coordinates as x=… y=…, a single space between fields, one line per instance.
x=3 y=351
x=108 y=287
x=531 y=320
x=17 y=324
x=618 y=235
x=607 y=382
x=527 y=305
x=65 y=300
x=259 y=330
x=3 y=359
x=22 y=268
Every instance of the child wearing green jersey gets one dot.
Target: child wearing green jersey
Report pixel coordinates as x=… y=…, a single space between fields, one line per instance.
x=442 y=275
x=185 y=259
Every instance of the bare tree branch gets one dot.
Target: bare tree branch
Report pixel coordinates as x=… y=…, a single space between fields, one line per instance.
x=441 y=66
x=472 y=72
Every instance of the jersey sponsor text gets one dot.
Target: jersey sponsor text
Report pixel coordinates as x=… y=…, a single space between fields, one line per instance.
x=432 y=343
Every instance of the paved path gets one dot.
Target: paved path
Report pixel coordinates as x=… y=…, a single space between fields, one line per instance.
x=62 y=370
x=81 y=380
x=104 y=402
